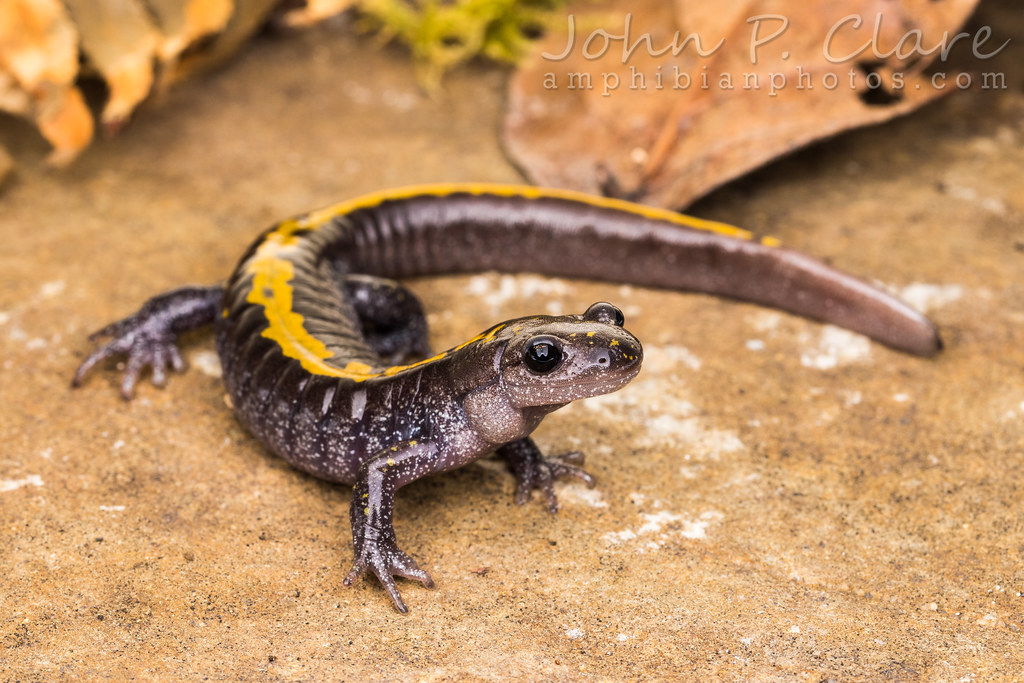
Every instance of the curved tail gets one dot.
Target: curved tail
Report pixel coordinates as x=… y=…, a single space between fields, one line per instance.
x=464 y=228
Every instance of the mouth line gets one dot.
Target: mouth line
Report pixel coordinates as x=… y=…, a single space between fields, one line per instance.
x=605 y=378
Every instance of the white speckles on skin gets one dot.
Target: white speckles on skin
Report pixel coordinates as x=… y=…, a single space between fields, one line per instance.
x=207 y=362
x=925 y=297
x=14 y=484
x=836 y=347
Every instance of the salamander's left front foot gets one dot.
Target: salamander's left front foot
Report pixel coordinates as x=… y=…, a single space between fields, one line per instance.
x=372 y=511
x=534 y=470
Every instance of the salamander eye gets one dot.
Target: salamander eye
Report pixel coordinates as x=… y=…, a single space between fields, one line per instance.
x=604 y=312
x=542 y=354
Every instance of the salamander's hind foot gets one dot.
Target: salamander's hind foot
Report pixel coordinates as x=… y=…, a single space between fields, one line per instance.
x=379 y=553
x=534 y=470
x=148 y=337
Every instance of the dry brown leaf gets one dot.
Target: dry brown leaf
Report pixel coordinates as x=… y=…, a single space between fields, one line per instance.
x=665 y=128
x=39 y=62
x=120 y=41
x=248 y=16
x=182 y=22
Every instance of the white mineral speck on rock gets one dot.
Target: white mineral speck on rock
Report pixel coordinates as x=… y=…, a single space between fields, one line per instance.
x=836 y=347
x=925 y=297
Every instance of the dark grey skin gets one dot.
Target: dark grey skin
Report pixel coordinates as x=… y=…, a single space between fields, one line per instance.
x=386 y=432
x=308 y=325
x=495 y=407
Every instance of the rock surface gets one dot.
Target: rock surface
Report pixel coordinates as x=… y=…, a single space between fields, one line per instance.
x=776 y=499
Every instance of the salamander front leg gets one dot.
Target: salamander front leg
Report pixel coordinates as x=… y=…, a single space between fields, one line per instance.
x=148 y=337
x=534 y=470
x=372 y=515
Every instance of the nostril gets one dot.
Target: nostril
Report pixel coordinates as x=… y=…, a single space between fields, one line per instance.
x=603 y=358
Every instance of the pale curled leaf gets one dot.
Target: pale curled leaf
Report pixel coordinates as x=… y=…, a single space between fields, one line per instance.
x=120 y=41
x=38 y=65
x=664 y=125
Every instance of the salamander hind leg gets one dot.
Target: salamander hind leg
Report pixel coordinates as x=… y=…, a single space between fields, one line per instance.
x=391 y=316
x=148 y=337
x=372 y=515
x=534 y=470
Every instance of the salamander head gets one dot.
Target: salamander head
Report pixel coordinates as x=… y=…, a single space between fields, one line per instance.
x=554 y=360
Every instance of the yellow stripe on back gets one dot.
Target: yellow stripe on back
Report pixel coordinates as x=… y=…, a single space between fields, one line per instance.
x=315 y=219
x=273 y=271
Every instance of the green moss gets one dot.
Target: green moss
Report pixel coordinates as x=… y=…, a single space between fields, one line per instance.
x=444 y=33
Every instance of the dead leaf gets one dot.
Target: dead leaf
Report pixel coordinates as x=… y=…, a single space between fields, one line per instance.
x=39 y=62
x=183 y=22
x=661 y=102
x=246 y=20
x=120 y=41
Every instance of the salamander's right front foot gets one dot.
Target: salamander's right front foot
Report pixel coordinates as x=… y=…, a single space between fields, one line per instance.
x=148 y=337
x=143 y=347
x=378 y=552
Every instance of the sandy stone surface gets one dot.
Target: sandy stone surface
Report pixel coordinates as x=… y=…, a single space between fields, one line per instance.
x=777 y=499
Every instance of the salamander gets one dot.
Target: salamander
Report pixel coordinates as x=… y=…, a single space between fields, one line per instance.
x=325 y=354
